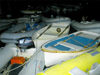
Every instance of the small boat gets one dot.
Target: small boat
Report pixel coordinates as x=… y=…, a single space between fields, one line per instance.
x=56 y=27
x=4 y=24
x=6 y=53
x=17 y=56
x=19 y=31
x=69 y=46
x=80 y=65
x=59 y=25
x=93 y=26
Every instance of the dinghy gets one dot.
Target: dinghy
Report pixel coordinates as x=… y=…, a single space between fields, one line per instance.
x=85 y=64
x=93 y=26
x=67 y=47
x=19 y=31
x=59 y=27
x=56 y=27
x=17 y=54
x=4 y=24
x=6 y=54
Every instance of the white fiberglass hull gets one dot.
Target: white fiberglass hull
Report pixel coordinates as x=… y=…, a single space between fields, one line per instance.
x=57 y=58
x=46 y=37
x=52 y=31
x=52 y=58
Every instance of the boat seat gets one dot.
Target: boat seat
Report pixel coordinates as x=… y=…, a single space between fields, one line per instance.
x=65 y=47
x=72 y=46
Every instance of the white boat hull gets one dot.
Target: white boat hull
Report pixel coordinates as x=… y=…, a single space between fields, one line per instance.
x=13 y=34
x=52 y=58
x=56 y=58
x=5 y=24
x=7 y=53
x=46 y=37
x=57 y=29
x=27 y=53
x=87 y=26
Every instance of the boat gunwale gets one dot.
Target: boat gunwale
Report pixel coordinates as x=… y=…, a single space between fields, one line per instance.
x=84 y=49
x=56 y=51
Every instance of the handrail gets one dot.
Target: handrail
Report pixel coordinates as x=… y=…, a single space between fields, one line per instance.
x=44 y=31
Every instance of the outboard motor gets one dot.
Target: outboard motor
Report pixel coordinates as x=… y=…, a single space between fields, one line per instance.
x=25 y=43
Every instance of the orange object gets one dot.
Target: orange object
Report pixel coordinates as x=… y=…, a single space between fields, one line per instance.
x=17 y=60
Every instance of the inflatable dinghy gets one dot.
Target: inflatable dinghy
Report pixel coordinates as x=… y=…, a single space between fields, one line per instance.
x=19 y=31
x=93 y=26
x=6 y=53
x=4 y=24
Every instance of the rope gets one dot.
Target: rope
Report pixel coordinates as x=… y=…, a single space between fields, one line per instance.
x=21 y=64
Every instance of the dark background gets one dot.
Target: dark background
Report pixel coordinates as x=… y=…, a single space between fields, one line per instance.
x=90 y=8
